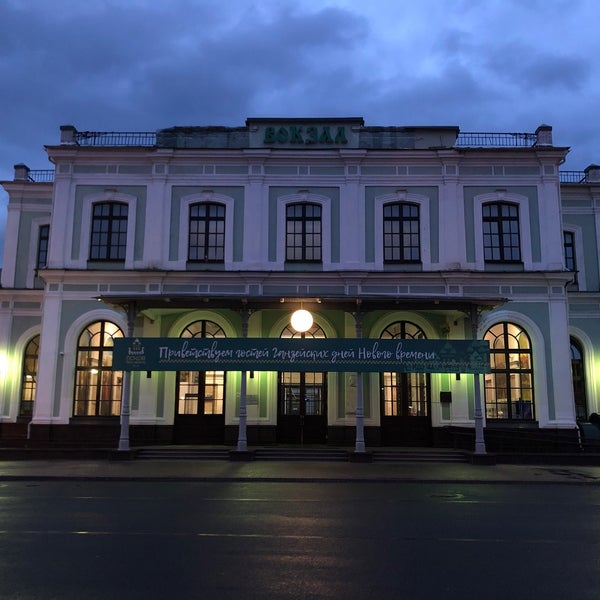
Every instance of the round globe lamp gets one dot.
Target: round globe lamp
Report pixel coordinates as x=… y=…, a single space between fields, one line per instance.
x=301 y=320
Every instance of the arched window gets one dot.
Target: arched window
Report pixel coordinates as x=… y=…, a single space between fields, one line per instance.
x=29 y=377
x=97 y=387
x=109 y=231
x=303 y=233
x=578 y=371
x=501 y=237
x=201 y=392
x=509 y=387
x=206 y=232
x=404 y=394
x=401 y=237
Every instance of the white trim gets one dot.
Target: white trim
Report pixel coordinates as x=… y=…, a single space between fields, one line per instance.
x=34 y=238
x=579 y=254
x=591 y=383
x=325 y=203
x=524 y=225
x=17 y=371
x=69 y=353
x=86 y=225
x=184 y=224
x=424 y=225
x=538 y=351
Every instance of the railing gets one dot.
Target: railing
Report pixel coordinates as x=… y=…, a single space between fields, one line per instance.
x=116 y=138
x=496 y=140
x=572 y=176
x=41 y=176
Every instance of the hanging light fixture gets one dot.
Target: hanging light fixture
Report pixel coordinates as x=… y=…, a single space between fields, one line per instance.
x=301 y=320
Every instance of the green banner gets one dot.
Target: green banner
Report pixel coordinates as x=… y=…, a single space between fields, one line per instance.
x=285 y=354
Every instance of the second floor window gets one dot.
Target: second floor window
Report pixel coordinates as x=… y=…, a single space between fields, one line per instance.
x=501 y=238
x=401 y=241
x=303 y=233
x=207 y=233
x=42 y=249
x=109 y=231
x=569 y=249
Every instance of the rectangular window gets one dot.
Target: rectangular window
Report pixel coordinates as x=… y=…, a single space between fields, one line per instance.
x=501 y=237
x=401 y=233
x=109 y=231
x=42 y=249
x=569 y=249
x=207 y=233
x=303 y=233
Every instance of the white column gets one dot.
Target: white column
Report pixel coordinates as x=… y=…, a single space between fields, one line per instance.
x=479 y=435
x=562 y=377
x=50 y=364
x=126 y=391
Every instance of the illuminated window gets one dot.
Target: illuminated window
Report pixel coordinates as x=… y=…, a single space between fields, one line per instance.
x=109 y=231
x=501 y=238
x=404 y=394
x=578 y=372
x=29 y=377
x=201 y=392
x=509 y=387
x=207 y=233
x=97 y=387
x=401 y=240
x=303 y=233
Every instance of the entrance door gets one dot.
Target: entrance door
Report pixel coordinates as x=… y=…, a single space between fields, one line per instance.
x=200 y=397
x=405 y=398
x=302 y=408
x=200 y=414
x=302 y=400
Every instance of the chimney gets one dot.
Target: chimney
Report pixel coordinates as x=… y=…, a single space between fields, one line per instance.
x=21 y=172
x=67 y=134
x=544 y=135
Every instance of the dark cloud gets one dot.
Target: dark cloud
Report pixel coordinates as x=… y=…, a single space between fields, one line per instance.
x=503 y=65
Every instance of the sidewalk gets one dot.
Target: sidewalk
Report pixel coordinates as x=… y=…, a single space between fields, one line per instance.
x=292 y=471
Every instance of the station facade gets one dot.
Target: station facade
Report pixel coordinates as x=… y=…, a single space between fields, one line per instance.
x=382 y=233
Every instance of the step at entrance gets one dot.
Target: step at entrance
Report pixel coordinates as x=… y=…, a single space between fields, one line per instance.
x=302 y=454
x=418 y=455
x=183 y=453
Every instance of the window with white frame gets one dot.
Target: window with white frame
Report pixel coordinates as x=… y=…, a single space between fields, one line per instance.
x=109 y=231
x=206 y=232
x=401 y=233
x=501 y=236
x=303 y=232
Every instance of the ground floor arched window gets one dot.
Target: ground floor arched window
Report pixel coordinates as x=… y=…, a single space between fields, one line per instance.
x=98 y=389
x=29 y=371
x=578 y=372
x=509 y=393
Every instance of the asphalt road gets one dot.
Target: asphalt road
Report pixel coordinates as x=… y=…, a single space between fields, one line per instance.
x=104 y=540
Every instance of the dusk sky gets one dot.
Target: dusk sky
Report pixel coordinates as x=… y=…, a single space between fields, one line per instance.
x=142 y=65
